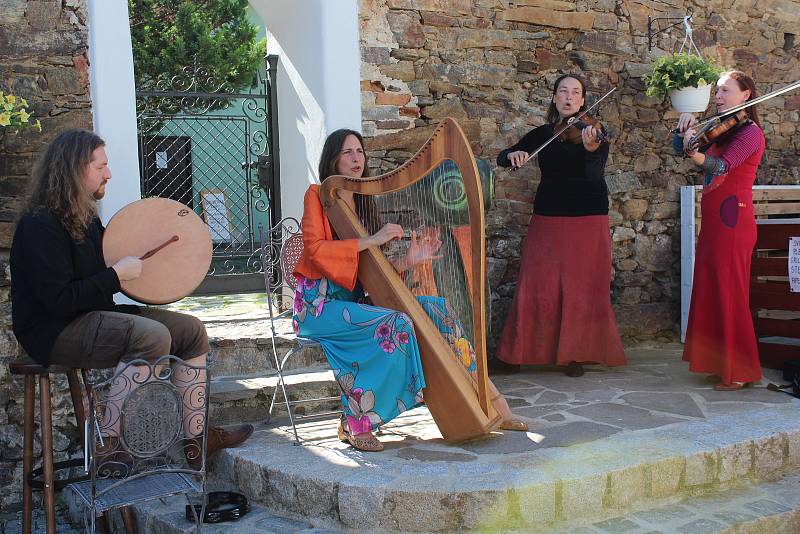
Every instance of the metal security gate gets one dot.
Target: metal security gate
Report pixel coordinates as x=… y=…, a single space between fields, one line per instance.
x=215 y=149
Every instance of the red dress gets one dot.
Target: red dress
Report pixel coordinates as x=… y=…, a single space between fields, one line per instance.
x=720 y=338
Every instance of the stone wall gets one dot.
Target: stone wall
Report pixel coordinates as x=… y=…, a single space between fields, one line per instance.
x=491 y=65
x=43 y=47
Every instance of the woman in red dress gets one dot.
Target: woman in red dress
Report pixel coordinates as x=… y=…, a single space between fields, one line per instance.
x=720 y=338
x=561 y=313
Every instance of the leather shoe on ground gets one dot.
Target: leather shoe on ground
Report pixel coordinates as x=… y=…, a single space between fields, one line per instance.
x=499 y=367
x=574 y=369
x=218 y=439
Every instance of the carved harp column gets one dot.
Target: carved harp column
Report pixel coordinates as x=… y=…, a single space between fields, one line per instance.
x=457 y=398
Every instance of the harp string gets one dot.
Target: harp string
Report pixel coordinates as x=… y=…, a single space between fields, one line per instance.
x=436 y=203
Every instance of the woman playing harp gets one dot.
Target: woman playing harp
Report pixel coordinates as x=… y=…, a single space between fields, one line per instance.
x=373 y=351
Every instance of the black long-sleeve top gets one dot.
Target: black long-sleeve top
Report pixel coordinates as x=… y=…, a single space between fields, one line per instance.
x=572 y=182
x=54 y=279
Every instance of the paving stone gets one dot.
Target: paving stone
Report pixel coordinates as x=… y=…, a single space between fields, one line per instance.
x=733 y=517
x=766 y=507
x=616 y=526
x=554 y=417
x=701 y=526
x=675 y=403
x=514 y=402
x=511 y=442
x=538 y=411
x=755 y=394
x=410 y=453
x=567 y=384
x=596 y=395
x=551 y=397
x=576 y=432
x=660 y=516
x=623 y=416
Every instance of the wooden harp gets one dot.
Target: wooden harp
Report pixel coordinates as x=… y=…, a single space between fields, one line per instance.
x=457 y=399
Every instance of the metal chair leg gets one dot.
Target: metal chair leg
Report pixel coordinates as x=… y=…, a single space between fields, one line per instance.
x=282 y=384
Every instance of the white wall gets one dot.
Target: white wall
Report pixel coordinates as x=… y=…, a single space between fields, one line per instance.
x=318 y=83
x=113 y=95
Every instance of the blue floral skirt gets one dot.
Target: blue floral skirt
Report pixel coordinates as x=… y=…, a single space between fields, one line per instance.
x=373 y=351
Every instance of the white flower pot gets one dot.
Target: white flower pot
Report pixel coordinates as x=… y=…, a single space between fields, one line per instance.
x=690 y=99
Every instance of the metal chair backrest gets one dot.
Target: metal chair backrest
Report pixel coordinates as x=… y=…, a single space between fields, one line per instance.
x=291 y=251
x=161 y=425
x=147 y=434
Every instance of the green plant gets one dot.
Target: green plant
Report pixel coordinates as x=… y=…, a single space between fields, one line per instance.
x=14 y=114
x=678 y=71
x=214 y=35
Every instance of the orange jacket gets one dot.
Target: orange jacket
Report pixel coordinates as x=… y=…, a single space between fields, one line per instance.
x=323 y=255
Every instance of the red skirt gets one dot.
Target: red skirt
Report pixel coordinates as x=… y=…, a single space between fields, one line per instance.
x=561 y=310
x=720 y=338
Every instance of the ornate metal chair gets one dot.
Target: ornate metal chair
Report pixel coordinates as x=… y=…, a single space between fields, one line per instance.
x=280 y=251
x=156 y=414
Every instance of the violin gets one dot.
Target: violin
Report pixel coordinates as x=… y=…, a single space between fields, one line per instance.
x=715 y=130
x=576 y=124
x=571 y=129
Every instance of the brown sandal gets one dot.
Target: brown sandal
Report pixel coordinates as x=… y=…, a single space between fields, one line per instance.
x=514 y=424
x=365 y=441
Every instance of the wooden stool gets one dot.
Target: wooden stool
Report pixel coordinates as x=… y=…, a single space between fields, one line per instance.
x=30 y=370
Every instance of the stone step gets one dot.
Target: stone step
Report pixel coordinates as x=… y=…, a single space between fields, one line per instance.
x=245 y=347
x=755 y=508
x=238 y=399
x=169 y=517
x=509 y=480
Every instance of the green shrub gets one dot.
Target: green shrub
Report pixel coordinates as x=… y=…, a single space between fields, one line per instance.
x=678 y=71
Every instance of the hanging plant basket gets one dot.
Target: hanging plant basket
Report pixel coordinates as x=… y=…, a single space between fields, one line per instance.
x=690 y=99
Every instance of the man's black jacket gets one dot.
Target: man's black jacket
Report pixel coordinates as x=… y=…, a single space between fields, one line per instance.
x=54 y=279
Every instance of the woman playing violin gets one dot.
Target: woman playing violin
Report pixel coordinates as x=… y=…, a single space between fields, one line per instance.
x=561 y=313
x=720 y=338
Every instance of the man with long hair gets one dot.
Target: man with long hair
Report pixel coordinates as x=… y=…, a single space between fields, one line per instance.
x=62 y=292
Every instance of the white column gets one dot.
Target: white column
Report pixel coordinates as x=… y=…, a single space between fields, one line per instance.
x=318 y=83
x=113 y=95
x=687 y=252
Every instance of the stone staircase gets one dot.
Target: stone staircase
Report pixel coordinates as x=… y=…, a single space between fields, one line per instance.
x=244 y=377
x=649 y=448
x=646 y=448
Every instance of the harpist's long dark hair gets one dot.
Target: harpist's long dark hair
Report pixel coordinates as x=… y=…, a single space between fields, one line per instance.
x=366 y=209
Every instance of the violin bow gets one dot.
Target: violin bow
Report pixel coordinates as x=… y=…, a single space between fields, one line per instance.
x=757 y=100
x=577 y=117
